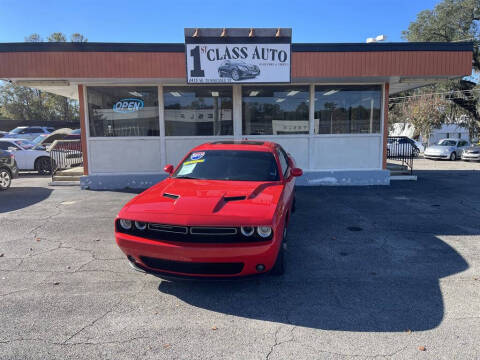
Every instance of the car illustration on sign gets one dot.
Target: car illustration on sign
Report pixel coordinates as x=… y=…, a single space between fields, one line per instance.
x=222 y=212
x=238 y=70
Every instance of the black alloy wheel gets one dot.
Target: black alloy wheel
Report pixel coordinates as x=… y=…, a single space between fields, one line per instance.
x=43 y=166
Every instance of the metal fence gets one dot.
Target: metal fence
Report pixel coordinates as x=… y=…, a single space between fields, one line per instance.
x=65 y=154
x=403 y=149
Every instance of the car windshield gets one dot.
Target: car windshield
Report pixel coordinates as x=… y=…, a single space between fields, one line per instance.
x=25 y=144
x=17 y=130
x=237 y=165
x=447 y=143
x=38 y=139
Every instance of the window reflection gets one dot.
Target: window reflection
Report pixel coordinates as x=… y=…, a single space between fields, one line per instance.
x=198 y=111
x=123 y=111
x=275 y=110
x=347 y=109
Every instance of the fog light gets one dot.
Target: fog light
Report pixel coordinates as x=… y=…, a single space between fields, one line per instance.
x=125 y=224
x=140 y=225
x=264 y=231
x=260 y=267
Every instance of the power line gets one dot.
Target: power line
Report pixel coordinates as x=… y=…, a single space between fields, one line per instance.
x=438 y=93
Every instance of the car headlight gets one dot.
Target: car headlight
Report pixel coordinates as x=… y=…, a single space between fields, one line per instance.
x=264 y=231
x=247 y=230
x=125 y=224
x=140 y=225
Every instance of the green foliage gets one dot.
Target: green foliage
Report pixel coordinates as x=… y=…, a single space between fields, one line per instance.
x=57 y=37
x=449 y=21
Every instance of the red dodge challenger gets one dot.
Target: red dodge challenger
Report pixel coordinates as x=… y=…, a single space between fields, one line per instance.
x=222 y=212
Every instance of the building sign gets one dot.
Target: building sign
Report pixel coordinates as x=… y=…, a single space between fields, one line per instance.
x=237 y=60
x=129 y=105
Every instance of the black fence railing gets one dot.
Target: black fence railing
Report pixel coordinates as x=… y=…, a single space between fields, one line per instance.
x=65 y=154
x=402 y=149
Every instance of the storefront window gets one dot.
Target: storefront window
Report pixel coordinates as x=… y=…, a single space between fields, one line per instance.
x=275 y=110
x=347 y=109
x=198 y=111
x=123 y=111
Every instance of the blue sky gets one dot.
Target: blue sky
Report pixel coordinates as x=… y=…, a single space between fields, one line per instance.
x=163 y=21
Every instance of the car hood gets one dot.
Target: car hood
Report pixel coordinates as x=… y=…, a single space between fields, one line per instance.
x=206 y=202
x=439 y=148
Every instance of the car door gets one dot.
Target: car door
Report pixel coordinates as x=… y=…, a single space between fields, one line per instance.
x=19 y=153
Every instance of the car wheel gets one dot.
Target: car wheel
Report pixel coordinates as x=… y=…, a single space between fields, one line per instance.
x=235 y=75
x=279 y=267
x=43 y=166
x=5 y=179
x=453 y=156
x=416 y=153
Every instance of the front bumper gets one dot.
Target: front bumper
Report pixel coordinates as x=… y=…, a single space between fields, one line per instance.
x=436 y=156
x=198 y=260
x=474 y=157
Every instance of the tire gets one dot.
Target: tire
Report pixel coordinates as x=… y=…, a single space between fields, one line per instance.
x=235 y=75
x=453 y=156
x=279 y=267
x=5 y=179
x=43 y=165
x=416 y=153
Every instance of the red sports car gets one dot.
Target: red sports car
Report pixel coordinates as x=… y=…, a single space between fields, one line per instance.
x=222 y=212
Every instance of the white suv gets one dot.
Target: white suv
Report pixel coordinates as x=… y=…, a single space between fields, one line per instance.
x=28 y=132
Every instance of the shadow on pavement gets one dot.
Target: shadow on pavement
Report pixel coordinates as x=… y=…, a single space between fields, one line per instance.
x=21 y=197
x=384 y=277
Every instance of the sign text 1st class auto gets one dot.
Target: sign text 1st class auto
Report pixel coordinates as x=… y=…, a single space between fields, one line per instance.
x=235 y=52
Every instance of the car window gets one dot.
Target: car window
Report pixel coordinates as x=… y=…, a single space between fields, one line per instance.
x=33 y=131
x=236 y=165
x=446 y=142
x=4 y=145
x=283 y=161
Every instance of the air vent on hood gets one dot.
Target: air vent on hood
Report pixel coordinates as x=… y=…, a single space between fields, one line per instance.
x=234 y=198
x=171 y=196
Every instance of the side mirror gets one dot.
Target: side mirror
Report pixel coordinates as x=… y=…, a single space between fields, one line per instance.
x=12 y=148
x=168 y=168
x=296 y=172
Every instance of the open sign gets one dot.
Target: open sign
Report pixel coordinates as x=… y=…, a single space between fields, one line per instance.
x=128 y=105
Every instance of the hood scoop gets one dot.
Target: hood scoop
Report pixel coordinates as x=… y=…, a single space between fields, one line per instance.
x=171 y=196
x=233 y=198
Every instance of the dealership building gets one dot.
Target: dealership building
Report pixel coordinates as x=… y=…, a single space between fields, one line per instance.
x=143 y=106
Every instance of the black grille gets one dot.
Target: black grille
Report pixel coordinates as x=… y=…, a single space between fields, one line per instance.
x=194 y=234
x=193 y=267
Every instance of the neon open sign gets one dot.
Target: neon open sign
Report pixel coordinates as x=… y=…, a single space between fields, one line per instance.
x=129 y=105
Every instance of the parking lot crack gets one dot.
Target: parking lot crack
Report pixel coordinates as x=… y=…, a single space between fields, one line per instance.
x=110 y=310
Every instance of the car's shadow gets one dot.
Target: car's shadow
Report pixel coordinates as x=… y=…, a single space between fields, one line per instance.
x=359 y=259
x=20 y=197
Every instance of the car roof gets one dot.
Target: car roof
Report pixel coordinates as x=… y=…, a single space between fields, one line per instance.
x=246 y=145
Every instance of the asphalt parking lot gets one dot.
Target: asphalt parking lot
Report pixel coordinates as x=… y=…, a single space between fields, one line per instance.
x=373 y=272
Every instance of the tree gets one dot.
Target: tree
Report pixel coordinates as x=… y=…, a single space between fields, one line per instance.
x=451 y=21
x=33 y=38
x=57 y=37
x=76 y=37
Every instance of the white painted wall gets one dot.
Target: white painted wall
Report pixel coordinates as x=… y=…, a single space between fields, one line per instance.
x=347 y=152
x=124 y=155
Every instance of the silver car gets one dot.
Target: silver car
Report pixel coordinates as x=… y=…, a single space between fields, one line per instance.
x=451 y=149
x=471 y=153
